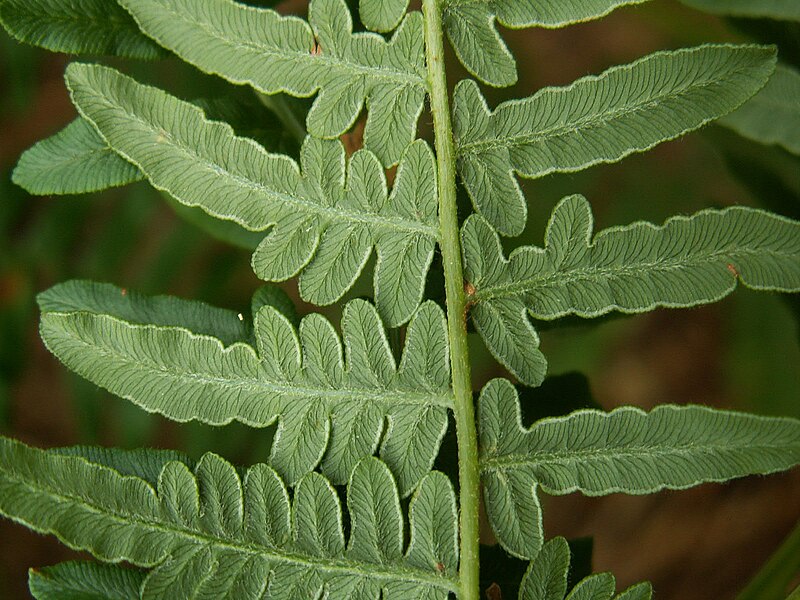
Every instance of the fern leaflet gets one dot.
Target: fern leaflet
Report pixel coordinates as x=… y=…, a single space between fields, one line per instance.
x=322 y=223
x=546 y=579
x=77 y=160
x=328 y=406
x=208 y=533
x=773 y=115
x=73 y=161
x=470 y=26
x=600 y=119
x=285 y=54
x=382 y=15
x=85 y=581
x=687 y=261
x=77 y=27
x=626 y=450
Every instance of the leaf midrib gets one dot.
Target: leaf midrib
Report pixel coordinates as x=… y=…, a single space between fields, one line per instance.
x=342 y=566
x=531 y=284
x=386 y=397
x=353 y=69
x=513 y=461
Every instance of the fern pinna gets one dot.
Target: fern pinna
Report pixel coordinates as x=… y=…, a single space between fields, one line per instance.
x=355 y=407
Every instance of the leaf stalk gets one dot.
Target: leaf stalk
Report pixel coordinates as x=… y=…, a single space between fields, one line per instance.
x=450 y=245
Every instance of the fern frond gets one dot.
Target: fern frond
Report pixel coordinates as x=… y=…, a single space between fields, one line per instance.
x=323 y=223
x=84 y=580
x=73 y=161
x=331 y=409
x=210 y=534
x=285 y=54
x=773 y=115
x=77 y=27
x=626 y=450
x=600 y=119
x=687 y=261
x=788 y=10
x=382 y=15
x=470 y=26
x=546 y=579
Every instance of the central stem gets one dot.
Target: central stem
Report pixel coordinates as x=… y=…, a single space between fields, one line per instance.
x=468 y=471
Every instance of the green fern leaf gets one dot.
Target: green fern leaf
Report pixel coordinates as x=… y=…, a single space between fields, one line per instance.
x=76 y=160
x=382 y=15
x=284 y=54
x=788 y=10
x=546 y=579
x=686 y=262
x=773 y=115
x=77 y=27
x=330 y=410
x=146 y=464
x=82 y=580
x=135 y=308
x=595 y=120
x=470 y=26
x=210 y=534
x=324 y=224
x=626 y=450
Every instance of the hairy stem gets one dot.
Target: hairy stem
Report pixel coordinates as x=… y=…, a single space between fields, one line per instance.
x=468 y=472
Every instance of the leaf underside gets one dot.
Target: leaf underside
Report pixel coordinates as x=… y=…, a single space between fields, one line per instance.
x=382 y=15
x=77 y=27
x=597 y=119
x=686 y=262
x=273 y=53
x=85 y=581
x=332 y=408
x=213 y=534
x=773 y=115
x=77 y=160
x=546 y=579
x=324 y=220
x=470 y=26
x=626 y=450
x=73 y=161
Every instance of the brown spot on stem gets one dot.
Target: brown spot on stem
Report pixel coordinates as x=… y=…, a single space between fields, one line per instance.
x=733 y=270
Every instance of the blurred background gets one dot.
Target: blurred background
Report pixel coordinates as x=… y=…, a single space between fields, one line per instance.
x=743 y=353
